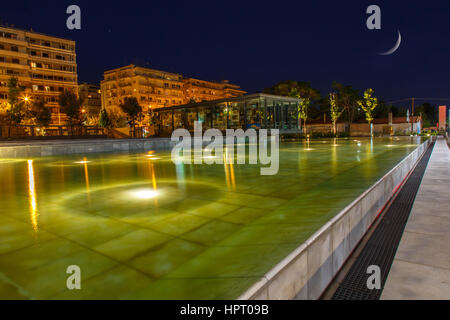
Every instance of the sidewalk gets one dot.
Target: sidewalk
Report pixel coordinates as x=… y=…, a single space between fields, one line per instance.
x=421 y=267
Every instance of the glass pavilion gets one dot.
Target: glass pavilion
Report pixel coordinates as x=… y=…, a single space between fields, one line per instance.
x=258 y=111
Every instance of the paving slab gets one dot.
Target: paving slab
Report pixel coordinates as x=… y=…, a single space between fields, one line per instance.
x=421 y=268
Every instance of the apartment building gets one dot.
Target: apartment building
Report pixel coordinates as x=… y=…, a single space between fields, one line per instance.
x=45 y=65
x=152 y=88
x=201 y=90
x=158 y=89
x=92 y=98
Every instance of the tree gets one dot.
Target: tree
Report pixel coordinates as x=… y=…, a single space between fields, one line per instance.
x=285 y=88
x=347 y=99
x=15 y=109
x=154 y=120
x=428 y=113
x=303 y=105
x=303 y=110
x=383 y=110
x=398 y=111
x=368 y=104
x=131 y=107
x=70 y=105
x=335 y=111
x=41 y=115
x=104 y=120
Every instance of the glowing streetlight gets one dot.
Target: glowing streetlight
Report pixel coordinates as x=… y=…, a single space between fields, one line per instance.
x=26 y=99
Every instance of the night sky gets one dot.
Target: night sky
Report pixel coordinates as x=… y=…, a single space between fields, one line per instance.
x=257 y=43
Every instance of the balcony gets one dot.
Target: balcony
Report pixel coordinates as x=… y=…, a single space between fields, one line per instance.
x=10 y=53
x=40 y=58
x=55 y=49
x=11 y=65
x=19 y=42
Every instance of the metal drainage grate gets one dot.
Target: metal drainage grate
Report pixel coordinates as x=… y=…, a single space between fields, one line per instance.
x=381 y=247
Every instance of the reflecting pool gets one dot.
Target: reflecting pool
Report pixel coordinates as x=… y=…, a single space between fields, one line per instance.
x=140 y=227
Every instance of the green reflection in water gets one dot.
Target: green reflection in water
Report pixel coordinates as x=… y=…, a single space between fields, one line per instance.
x=141 y=227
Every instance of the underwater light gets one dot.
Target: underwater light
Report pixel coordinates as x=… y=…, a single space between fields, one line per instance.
x=144 y=193
x=82 y=162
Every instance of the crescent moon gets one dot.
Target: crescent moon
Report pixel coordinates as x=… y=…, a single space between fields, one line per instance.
x=399 y=40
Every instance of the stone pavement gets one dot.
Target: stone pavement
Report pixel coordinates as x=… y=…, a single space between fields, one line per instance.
x=421 y=268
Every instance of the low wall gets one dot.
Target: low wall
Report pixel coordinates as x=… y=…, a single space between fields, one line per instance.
x=52 y=148
x=363 y=129
x=327 y=128
x=308 y=270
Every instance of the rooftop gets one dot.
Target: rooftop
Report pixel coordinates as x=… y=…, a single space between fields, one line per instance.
x=209 y=103
x=34 y=32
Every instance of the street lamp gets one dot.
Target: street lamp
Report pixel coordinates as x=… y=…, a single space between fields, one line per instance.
x=26 y=99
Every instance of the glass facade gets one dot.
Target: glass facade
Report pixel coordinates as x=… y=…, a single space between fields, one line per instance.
x=258 y=111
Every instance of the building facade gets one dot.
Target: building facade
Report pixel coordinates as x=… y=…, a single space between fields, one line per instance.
x=196 y=90
x=92 y=98
x=442 y=118
x=152 y=88
x=159 y=89
x=44 y=65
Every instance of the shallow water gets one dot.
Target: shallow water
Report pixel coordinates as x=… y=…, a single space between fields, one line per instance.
x=142 y=227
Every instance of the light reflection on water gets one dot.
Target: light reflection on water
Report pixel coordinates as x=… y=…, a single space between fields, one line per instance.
x=32 y=196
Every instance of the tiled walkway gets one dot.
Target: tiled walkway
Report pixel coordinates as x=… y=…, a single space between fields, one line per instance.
x=421 y=268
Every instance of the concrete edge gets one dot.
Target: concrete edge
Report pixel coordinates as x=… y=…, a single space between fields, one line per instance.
x=62 y=147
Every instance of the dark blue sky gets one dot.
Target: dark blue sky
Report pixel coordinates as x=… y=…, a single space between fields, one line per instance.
x=256 y=43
